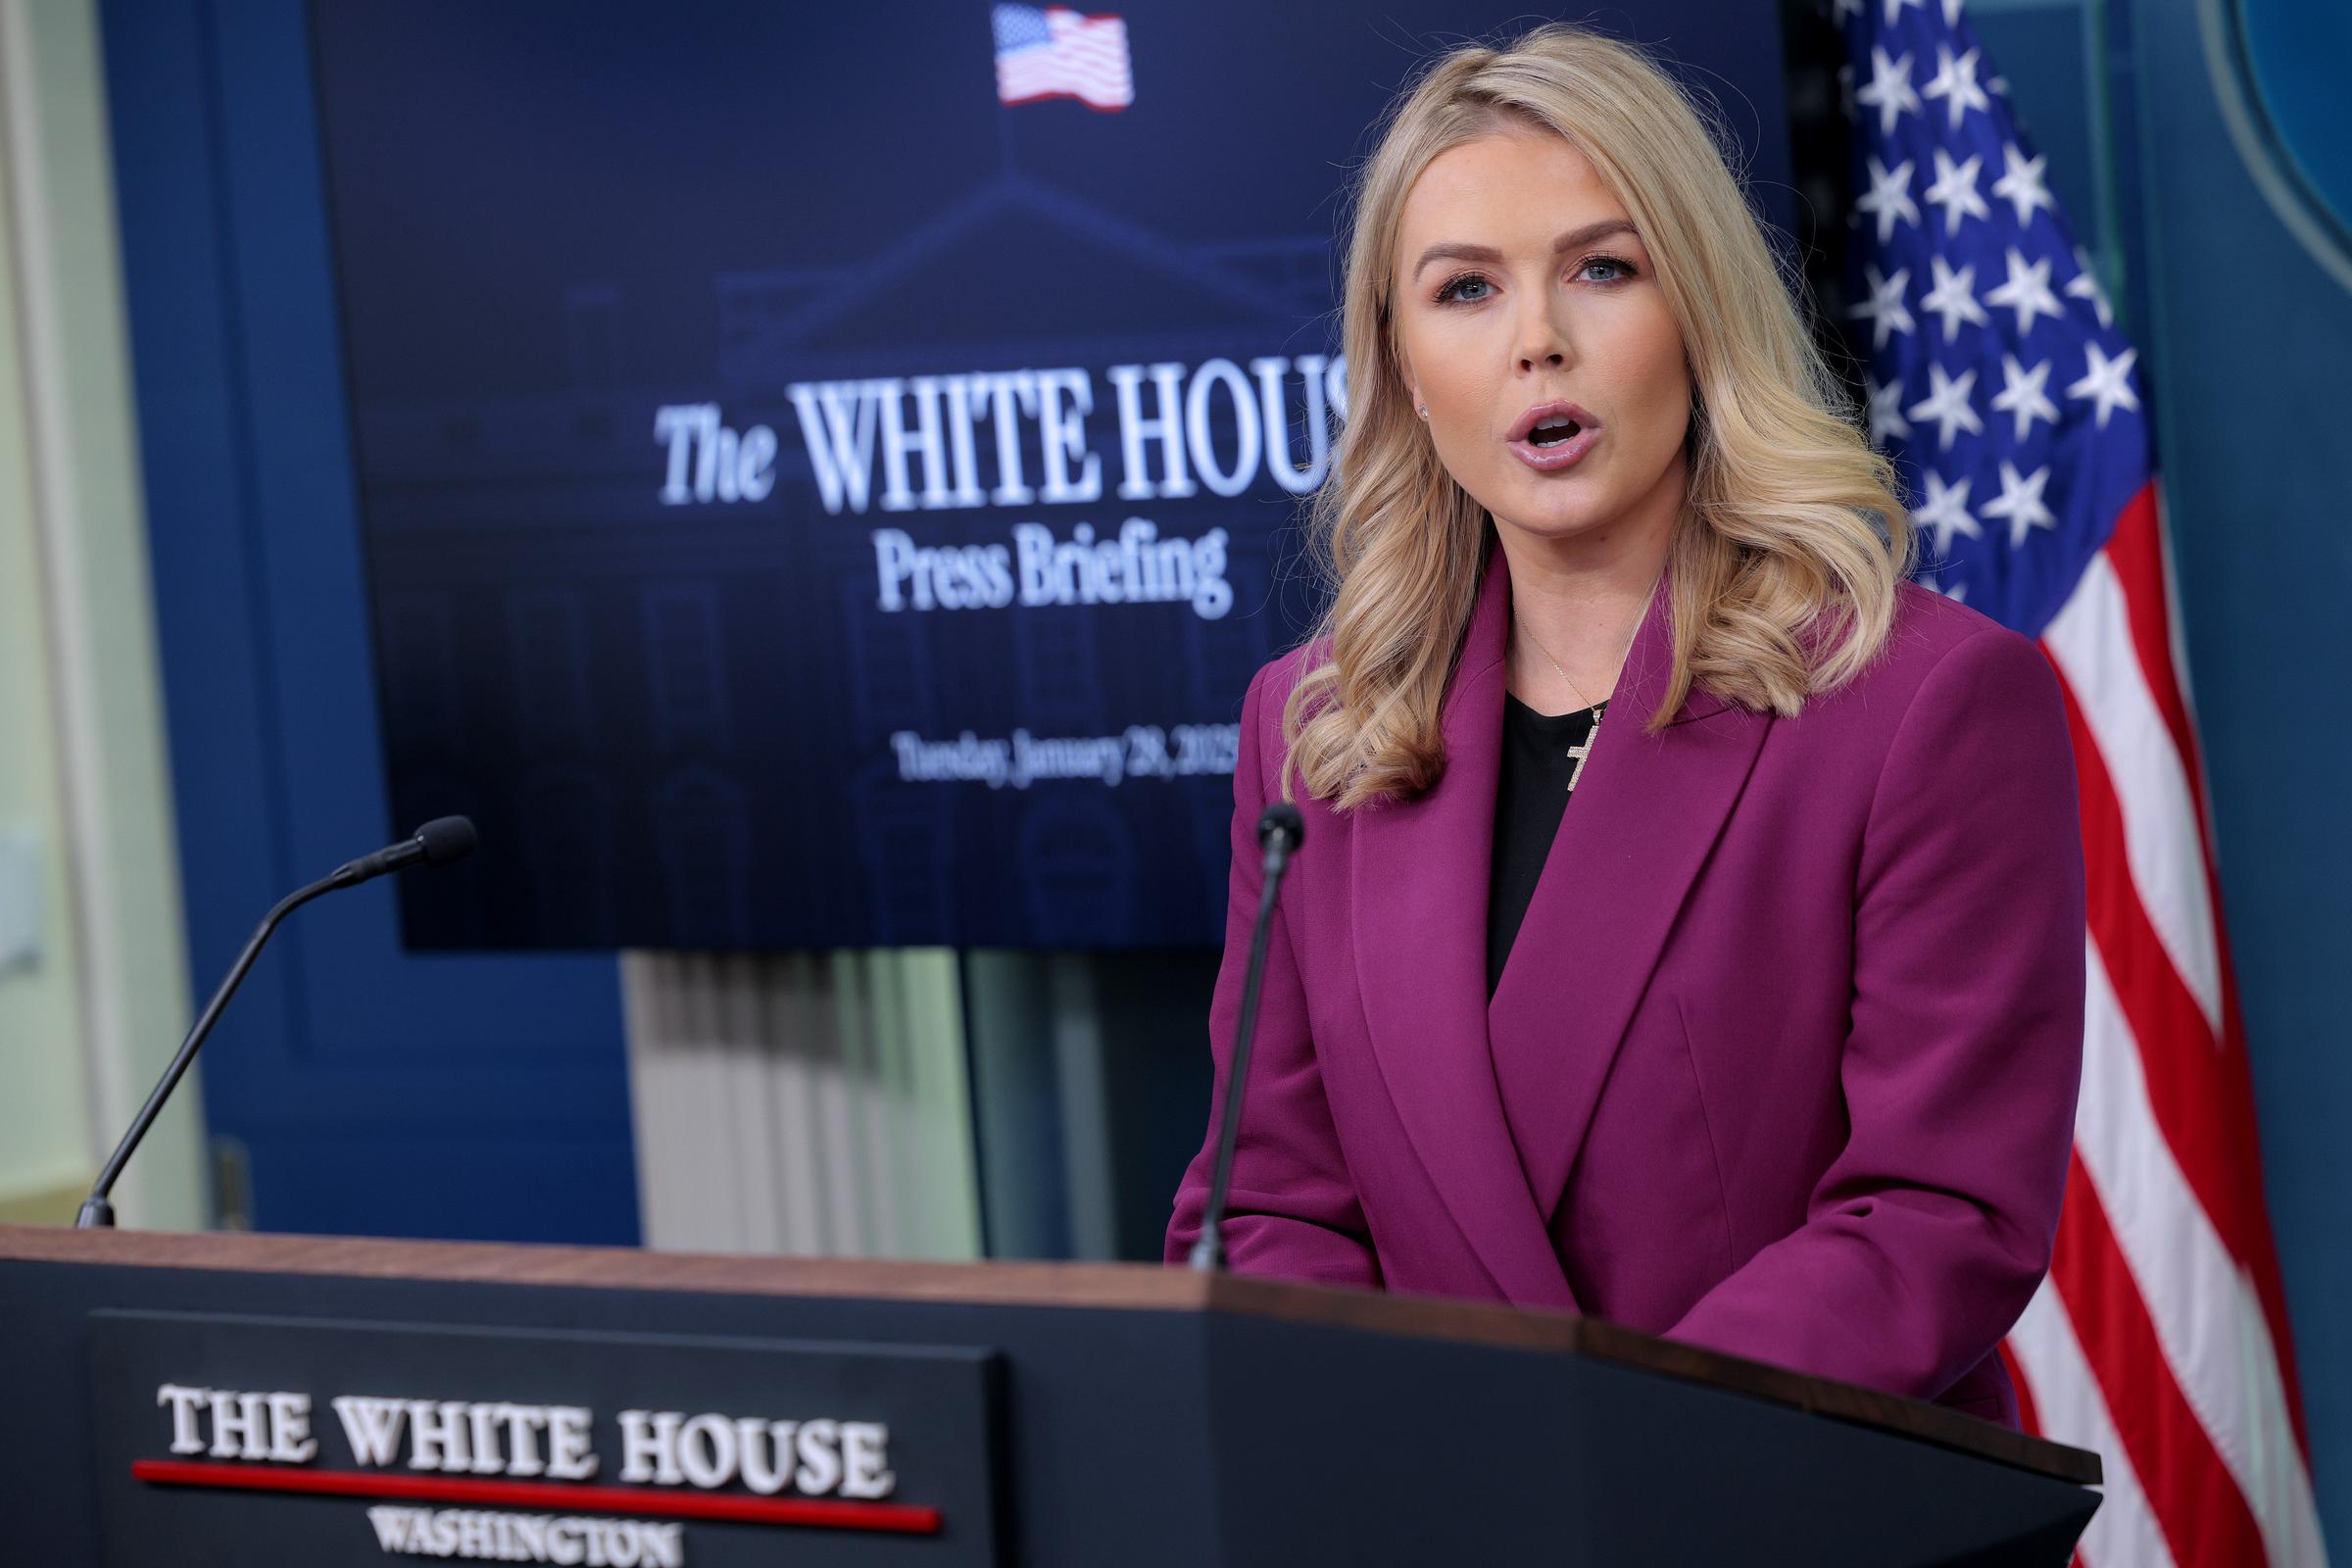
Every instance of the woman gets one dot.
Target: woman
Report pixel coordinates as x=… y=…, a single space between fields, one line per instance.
x=1770 y=1040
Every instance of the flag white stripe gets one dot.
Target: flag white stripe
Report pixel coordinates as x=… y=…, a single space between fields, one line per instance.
x=2123 y=1532
x=1060 y=78
x=1113 y=57
x=1056 y=78
x=1047 y=66
x=2207 y=1316
x=2090 y=638
x=1110 y=40
x=1031 y=83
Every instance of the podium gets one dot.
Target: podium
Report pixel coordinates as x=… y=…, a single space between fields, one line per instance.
x=235 y=1399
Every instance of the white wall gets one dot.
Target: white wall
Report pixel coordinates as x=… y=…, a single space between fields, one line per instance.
x=89 y=1023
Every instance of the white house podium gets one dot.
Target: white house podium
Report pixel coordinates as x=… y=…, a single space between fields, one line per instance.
x=234 y=1399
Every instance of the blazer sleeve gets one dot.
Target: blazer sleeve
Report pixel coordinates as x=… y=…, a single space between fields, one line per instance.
x=1932 y=1227
x=1292 y=1210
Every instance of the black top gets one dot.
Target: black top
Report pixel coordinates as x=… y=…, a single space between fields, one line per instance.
x=1528 y=803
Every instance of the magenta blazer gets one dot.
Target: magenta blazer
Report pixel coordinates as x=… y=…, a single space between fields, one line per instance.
x=1785 y=1058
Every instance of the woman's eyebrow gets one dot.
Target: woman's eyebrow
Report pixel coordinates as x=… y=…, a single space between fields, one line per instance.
x=1569 y=241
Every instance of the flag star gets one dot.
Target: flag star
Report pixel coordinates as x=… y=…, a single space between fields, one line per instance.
x=1957 y=593
x=1845 y=92
x=1894 y=8
x=2020 y=501
x=1946 y=404
x=2107 y=382
x=1889 y=91
x=1956 y=83
x=1956 y=190
x=2022 y=395
x=2084 y=285
x=1946 y=511
x=2021 y=184
x=1884 y=310
x=1890 y=198
x=1951 y=298
x=1951 y=13
x=1846 y=8
x=1887 y=419
x=2026 y=291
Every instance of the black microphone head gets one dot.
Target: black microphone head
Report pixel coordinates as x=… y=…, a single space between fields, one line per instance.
x=446 y=838
x=1281 y=818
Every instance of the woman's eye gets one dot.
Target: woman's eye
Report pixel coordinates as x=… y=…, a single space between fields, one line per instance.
x=1611 y=270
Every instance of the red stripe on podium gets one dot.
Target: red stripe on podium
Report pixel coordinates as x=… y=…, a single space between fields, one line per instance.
x=895 y=1517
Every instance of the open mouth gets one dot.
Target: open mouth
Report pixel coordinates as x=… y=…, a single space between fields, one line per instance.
x=1553 y=432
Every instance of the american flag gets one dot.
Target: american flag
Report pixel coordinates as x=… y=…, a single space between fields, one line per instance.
x=2015 y=412
x=1054 y=52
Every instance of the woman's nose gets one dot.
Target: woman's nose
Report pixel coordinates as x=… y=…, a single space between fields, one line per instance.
x=1542 y=343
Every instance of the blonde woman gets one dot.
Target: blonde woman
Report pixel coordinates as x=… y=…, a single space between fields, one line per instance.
x=1689 y=927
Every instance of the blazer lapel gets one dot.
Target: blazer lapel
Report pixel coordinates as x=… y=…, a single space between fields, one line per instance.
x=1633 y=838
x=1420 y=869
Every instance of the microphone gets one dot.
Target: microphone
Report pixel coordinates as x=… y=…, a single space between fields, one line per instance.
x=437 y=843
x=1279 y=832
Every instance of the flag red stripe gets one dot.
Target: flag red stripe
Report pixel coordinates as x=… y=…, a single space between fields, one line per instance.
x=2197 y=1505
x=2215 y=1085
x=2206 y=1129
x=2137 y=555
x=2047 y=1346
x=2135 y=551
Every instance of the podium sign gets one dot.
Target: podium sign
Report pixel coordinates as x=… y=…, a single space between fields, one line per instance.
x=233 y=1439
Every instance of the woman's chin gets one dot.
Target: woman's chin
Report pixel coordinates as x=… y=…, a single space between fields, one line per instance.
x=1556 y=523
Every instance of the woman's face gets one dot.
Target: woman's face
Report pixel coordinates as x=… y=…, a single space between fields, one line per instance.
x=1521 y=282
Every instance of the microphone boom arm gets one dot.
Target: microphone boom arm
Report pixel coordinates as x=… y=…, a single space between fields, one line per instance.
x=97 y=1212
x=1278 y=831
x=437 y=843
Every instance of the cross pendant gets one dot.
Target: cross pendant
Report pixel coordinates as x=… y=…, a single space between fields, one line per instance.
x=1579 y=752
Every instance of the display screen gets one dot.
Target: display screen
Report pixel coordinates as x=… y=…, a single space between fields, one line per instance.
x=829 y=473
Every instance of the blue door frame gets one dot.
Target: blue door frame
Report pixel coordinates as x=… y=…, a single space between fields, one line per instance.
x=373 y=1091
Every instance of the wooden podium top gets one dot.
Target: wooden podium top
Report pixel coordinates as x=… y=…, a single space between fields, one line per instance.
x=1105 y=1285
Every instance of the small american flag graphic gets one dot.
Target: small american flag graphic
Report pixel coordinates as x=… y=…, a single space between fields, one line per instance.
x=1054 y=52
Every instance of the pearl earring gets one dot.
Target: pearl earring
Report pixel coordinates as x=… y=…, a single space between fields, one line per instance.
x=1421 y=409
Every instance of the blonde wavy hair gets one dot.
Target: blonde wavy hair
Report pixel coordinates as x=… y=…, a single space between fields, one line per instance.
x=1786 y=561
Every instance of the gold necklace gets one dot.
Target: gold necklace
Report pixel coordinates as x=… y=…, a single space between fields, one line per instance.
x=1584 y=750
x=1573 y=687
